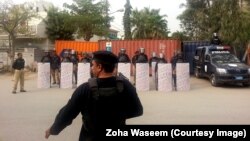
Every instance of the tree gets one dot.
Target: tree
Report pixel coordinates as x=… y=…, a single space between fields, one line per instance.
x=229 y=18
x=13 y=21
x=90 y=18
x=149 y=24
x=180 y=35
x=127 y=21
x=58 y=25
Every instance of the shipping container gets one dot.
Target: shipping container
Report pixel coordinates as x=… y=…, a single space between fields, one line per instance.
x=189 y=48
x=167 y=47
x=76 y=45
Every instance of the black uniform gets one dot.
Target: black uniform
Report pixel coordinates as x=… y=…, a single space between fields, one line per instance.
x=46 y=59
x=123 y=58
x=125 y=105
x=55 y=62
x=86 y=60
x=176 y=59
x=142 y=58
x=216 y=41
x=153 y=59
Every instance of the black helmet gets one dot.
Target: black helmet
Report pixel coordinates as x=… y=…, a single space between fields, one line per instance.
x=123 y=50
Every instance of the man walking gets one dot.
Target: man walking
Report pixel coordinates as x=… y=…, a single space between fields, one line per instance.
x=18 y=66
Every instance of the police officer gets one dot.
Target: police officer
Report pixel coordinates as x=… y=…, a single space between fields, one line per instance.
x=123 y=57
x=177 y=58
x=18 y=66
x=104 y=101
x=55 y=64
x=154 y=58
x=215 y=39
x=46 y=58
x=160 y=60
x=142 y=57
x=74 y=59
x=66 y=56
x=86 y=58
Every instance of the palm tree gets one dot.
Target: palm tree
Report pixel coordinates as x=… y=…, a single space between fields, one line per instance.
x=149 y=24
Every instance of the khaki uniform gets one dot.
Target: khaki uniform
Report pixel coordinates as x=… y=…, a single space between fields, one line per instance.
x=19 y=75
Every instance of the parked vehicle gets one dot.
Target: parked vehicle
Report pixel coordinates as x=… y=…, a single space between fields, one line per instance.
x=220 y=66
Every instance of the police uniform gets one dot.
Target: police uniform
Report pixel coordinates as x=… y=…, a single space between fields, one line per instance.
x=178 y=58
x=55 y=64
x=115 y=107
x=123 y=57
x=18 y=65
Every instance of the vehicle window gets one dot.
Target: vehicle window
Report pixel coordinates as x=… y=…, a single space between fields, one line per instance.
x=224 y=58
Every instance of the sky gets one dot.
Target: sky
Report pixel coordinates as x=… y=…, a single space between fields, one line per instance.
x=171 y=8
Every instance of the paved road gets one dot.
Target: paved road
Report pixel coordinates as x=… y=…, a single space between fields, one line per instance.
x=25 y=116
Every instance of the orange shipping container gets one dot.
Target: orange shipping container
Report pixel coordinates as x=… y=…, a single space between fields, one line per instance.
x=76 y=45
x=167 y=47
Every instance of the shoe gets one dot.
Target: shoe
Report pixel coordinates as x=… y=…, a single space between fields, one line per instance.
x=23 y=91
x=14 y=92
x=54 y=83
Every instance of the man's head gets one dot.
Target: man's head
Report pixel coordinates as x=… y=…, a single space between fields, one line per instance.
x=19 y=55
x=53 y=53
x=215 y=34
x=123 y=51
x=142 y=50
x=46 y=53
x=103 y=62
x=66 y=53
x=153 y=54
x=161 y=55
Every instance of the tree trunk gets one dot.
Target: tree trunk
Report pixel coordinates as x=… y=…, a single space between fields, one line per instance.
x=12 y=50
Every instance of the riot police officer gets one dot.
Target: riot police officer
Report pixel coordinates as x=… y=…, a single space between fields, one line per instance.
x=142 y=57
x=177 y=58
x=66 y=56
x=46 y=58
x=123 y=57
x=215 y=39
x=154 y=58
x=74 y=59
x=85 y=58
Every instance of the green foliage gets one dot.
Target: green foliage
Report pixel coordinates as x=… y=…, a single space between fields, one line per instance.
x=149 y=24
x=127 y=21
x=90 y=17
x=229 y=18
x=58 y=25
x=14 y=21
x=14 y=18
x=180 y=35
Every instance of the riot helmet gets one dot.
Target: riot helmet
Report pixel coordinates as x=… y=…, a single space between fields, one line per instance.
x=66 y=53
x=153 y=54
x=215 y=34
x=122 y=50
x=73 y=51
x=142 y=50
x=161 y=55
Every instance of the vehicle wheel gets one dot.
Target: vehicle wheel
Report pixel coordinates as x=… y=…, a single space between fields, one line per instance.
x=213 y=80
x=197 y=73
x=245 y=84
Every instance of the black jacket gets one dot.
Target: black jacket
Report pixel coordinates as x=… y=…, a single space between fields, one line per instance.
x=128 y=104
x=123 y=58
x=55 y=62
x=18 y=64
